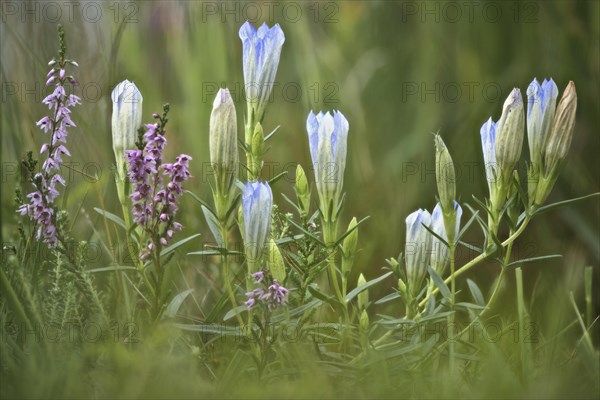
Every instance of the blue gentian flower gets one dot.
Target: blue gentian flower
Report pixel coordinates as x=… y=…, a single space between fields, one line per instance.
x=328 y=136
x=417 y=251
x=257 y=201
x=541 y=106
x=261 y=51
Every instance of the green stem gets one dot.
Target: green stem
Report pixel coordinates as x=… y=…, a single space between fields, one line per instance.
x=227 y=275
x=452 y=306
x=479 y=259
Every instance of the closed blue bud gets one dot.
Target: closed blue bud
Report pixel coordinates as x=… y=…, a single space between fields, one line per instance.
x=417 y=250
x=328 y=137
x=541 y=106
x=261 y=52
x=440 y=254
x=257 y=201
x=488 y=146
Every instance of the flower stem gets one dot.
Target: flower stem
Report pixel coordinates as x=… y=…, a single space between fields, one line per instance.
x=227 y=275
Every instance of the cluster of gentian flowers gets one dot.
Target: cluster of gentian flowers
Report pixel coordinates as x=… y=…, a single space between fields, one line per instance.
x=549 y=133
x=273 y=295
x=40 y=208
x=155 y=199
x=422 y=249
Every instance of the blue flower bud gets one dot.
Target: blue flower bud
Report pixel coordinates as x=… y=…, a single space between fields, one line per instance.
x=328 y=136
x=257 y=201
x=541 y=104
x=261 y=52
x=417 y=251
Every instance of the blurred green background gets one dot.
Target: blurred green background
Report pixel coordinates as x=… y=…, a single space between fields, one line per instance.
x=398 y=70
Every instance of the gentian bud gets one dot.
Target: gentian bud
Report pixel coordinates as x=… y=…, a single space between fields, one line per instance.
x=349 y=247
x=261 y=52
x=223 y=140
x=558 y=143
x=445 y=175
x=328 y=136
x=417 y=249
x=363 y=297
x=257 y=201
x=126 y=119
x=276 y=264
x=302 y=191
x=509 y=136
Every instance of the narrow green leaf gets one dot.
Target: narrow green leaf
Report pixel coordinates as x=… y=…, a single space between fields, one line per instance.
x=213 y=225
x=476 y=293
x=367 y=285
x=535 y=259
x=235 y=311
x=110 y=216
x=111 y=268
x=176 y=303
x=175 y=245
x=439 y=283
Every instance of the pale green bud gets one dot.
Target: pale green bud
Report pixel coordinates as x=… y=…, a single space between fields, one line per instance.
x=276 y=264
x=401 y=286
x=302 y=191
x=223 y=139
x=561 y=134
x=363 y=297
x=509 y=135
x=364 y=321
x=558 y=143
x=445 y=175
x=349 y=247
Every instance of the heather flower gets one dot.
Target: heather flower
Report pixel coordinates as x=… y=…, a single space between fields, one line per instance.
x=328 y=135
x=272 y=295
x=261 y=52
x=257 y=201
x=41 y=208
x=157 y=187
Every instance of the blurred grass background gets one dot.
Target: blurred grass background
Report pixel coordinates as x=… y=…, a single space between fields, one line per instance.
x=399 y=70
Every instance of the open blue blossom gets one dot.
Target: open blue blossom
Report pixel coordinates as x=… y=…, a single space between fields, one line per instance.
x=417 y=249
x=541 y=106
x=328 y=137
x=261 y=51
x=257 y=201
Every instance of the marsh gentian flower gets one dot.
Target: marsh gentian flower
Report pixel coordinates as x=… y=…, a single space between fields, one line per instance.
x=126 y=120
x=558 y=142
x=223 y=149
x=327 y=137
x=257 y=201
x=261 y=52
x=509 y=136
x=541 y=105
x=488 y=146
x=417 y=249
x=440 y=254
